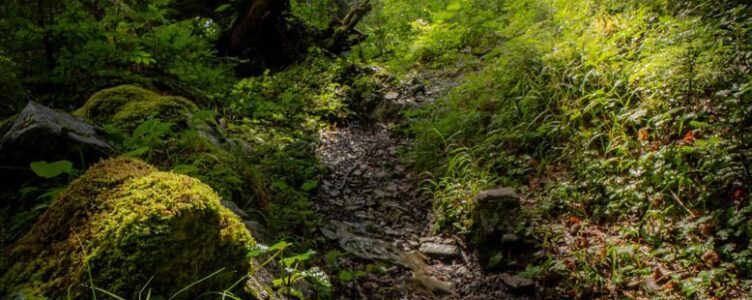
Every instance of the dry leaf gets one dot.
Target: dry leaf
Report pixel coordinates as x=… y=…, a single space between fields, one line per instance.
x=642 y=134
x=710 y=258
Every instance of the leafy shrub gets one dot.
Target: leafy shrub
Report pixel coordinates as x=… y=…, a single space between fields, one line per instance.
x=64 y=50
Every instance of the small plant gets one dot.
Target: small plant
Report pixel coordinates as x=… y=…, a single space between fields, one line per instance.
x=51 y=170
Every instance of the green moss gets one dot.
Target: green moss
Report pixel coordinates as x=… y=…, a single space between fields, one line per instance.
x=106 y=103
x=166 y=108
x=127 y=106
x=227 y=173
x=123 y=222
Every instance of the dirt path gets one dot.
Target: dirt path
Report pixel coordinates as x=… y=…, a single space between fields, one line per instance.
x=376 y=212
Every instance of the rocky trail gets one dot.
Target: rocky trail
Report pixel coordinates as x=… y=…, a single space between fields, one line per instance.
x=377 y=213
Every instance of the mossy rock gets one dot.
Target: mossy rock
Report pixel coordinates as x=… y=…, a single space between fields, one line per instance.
x=122 y=224
x=126 y=106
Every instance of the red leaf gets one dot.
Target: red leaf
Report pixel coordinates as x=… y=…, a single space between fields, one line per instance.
x=689 y=138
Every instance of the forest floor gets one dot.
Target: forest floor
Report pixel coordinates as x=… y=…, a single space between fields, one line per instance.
x=378 y=221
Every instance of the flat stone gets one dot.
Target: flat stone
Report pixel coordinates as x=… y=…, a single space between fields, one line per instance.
x=391 y=95
x=517 y=283
x=441 y=250
x=509 y=238
x=390 y=231
x=505 y=196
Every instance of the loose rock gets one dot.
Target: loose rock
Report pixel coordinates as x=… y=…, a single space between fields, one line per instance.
x=391 y=95
x=440 y=250
x=517 y=283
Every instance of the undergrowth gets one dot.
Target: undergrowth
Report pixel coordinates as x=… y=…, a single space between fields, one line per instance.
x=627 y=121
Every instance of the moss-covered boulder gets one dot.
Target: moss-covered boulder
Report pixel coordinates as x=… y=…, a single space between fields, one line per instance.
x=126 y=106
x=198 y=150
x=123 y=223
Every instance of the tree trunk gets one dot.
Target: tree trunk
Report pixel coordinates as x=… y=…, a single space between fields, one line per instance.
x=267 y=34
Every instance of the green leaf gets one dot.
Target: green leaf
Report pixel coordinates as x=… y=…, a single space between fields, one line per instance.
x=25 y=191
x=289 y=261
x=51 y=193
x=51 y=170
x=495 y=260
x=202 y=117
x=138 y=152
x=331 y=256
x=185 y=169
x=223 y=7
x=150 y=132
x=282 y=245
x=258 y=250
x=346 y=276
x=277 y=282
x=698 y=125
x=310 y=185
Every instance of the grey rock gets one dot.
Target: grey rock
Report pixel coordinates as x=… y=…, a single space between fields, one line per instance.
x=387 y=110
x=440 y=250
x=417 y=88
x=505 y=197
x=392 y=95
x=517 y=283
x=496 y=215
x=259 y=231
x=234 y=208
x=211 y=135
x=41 y=133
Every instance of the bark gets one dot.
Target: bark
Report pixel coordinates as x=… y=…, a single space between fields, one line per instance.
x=344 y=35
